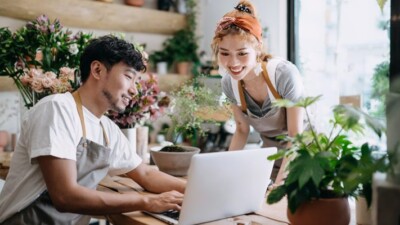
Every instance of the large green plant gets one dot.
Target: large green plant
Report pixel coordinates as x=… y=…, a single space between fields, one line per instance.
x=328 y=165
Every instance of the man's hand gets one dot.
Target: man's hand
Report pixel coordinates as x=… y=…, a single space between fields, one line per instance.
x=164 y=201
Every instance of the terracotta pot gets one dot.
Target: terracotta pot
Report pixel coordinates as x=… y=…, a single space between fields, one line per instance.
x=183 y=68
x=333 y=211
x=4 y=138
x=137 y=3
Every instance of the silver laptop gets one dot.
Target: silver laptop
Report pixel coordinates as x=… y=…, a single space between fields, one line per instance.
x=222 y=185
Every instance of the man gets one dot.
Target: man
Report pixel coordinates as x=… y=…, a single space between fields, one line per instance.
x=67 y=146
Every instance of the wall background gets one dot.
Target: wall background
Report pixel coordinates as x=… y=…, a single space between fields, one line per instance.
x=272 y=14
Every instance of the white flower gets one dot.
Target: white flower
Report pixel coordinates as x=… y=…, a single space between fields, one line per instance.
x=73 y=49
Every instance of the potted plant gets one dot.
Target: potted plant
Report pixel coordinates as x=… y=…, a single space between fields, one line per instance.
x=186 y=121
x=182 y=47
x=325 y=169
x=160 y=60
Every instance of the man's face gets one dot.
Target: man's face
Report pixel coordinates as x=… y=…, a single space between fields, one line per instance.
x=120 y=86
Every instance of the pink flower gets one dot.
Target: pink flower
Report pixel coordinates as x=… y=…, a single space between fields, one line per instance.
x=47 y=82
x=36 y=85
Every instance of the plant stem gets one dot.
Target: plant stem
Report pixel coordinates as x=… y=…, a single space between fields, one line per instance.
x=331 y=142
x=312 y=130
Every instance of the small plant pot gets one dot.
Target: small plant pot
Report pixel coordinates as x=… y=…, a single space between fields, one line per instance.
x=183 y=68
x=162 y=68
x=332 y=211
x=137 y=3
x=174 y=163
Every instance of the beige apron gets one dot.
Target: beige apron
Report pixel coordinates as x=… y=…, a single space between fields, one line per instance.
x=271 y=124
x=92 y=163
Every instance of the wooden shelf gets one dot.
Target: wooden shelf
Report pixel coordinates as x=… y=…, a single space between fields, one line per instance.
x=96 y=15
x=170 y=82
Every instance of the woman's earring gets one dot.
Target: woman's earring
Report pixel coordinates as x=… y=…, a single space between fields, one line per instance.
x=222 y=71
x=258 y=69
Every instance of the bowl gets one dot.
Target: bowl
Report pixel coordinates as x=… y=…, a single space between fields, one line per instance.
x=174 y=163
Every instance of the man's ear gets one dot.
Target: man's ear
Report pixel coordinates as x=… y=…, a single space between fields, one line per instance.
x=96 y=68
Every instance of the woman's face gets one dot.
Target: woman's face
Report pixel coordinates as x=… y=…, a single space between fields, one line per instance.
x=237 y=55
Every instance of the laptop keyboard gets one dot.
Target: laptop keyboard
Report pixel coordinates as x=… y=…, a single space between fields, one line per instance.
x=172 y=214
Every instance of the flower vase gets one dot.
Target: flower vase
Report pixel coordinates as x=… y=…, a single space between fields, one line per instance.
x=142 y=141
x=130 y=134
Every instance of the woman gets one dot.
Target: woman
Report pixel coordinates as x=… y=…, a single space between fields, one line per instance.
x=252 y=80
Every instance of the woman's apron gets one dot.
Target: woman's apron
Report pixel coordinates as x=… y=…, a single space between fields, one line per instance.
x=274 y=122
x=92 y=166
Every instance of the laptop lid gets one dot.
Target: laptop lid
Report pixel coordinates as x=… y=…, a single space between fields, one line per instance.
x=225 y=184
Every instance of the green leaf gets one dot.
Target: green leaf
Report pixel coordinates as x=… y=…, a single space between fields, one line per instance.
x=280 y=154
x=276 y=195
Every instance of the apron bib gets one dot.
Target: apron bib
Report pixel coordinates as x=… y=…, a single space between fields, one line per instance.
x=92 y=166
x=274 y=122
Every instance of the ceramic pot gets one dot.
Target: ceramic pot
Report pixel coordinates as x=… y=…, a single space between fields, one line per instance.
x=183 y=68
x=137 y=3
x=4 y=138
x=164 y=5
x=174 y=163
x=142 y=141
x=162 y=68
x=333 y=211
x=130 y=134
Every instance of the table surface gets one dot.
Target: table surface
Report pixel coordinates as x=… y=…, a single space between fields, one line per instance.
x=269 y=214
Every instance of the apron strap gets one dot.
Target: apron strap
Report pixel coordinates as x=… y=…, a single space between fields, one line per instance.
x=78 y=102
x=77 y=98
x=242 y=100
x=270 y=86
x=104 y=134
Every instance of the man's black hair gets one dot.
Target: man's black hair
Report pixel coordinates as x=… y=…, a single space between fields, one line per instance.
x=110 y=50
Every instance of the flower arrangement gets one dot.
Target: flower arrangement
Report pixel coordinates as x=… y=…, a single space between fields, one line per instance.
x=148 y=103
x=41 y=58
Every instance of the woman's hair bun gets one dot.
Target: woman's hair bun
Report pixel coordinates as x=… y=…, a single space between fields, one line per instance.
x=246 y=7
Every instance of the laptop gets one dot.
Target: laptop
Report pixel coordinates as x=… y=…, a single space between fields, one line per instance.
x=222 y=185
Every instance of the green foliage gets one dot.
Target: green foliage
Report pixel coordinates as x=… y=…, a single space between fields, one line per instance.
x=326 y=166
x=182 y=46
x=186 y=104
x=380 y=87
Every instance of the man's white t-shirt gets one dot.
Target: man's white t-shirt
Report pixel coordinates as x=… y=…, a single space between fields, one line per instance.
x=52 y=127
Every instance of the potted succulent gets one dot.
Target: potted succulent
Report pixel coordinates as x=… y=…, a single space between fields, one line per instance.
x=185 y=105
x=326 y=169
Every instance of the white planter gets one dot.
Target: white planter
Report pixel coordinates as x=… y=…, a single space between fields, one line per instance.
x=130 y=134
x=142 y=141
x=363 y=214
x=162 y=68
